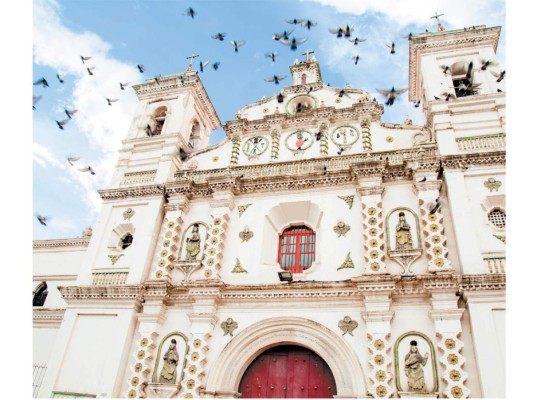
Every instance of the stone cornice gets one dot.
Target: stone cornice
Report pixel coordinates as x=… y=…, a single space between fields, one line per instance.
x=54 y=243
x=52 y=277
x=131 y=192
x=47 y=317
x=425 y=43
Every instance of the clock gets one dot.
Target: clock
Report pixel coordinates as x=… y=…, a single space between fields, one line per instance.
x=299 y=140
x=344 y=136
x=255 y=146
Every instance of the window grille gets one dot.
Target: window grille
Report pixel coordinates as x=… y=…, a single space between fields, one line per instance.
x=497 y=218
x=296 y=249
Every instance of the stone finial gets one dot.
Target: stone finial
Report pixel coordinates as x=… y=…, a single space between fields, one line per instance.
x=87 y=232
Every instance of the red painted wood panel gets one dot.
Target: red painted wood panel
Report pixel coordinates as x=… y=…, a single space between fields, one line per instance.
x=288 y=372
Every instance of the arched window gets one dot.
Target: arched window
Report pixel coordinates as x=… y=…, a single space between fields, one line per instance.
x=304 y=79
x=126 y=241
x=194 y=138
x=159 y=118
x=39 y=296
x=296 y=248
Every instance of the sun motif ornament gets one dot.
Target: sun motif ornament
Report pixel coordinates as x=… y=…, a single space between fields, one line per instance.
x=344 y=136
x=299 y=141
x=255 y=146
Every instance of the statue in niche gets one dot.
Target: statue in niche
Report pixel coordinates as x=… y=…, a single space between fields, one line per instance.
x=413 y=368
x=170 y=362
x=192 y=245
x=404 y=241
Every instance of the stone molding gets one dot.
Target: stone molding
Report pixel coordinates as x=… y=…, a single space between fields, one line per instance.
x=47 y=317
x=69 y=242
x=131 y=192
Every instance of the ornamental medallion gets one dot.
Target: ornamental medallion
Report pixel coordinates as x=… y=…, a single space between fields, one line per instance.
x=255 y=146
x=299 y=140
x=344 y=136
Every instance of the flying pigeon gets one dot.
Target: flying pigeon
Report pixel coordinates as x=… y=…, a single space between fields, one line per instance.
x=308 y=24
x=70 y=113
x=391 y=46
x=140 y=68
x=123 y=85
x=276 y=79
x=272 y=55
x=445 y=69
x=220 y=36
x=189 y=11
x=283 y=35
x=62 y=123
x=500 y=75
x=342 y=93
x=41 y=81
x=408 y=36
x=356 y=59
x=42 y=220
x=87 y=169
x=417 y=104
x=356 y=40
x=294 y=21
x=236 y=45
x=340 y=31
x=391 y=94
x=216 y=65
x=203 y=65
x=110 y=101
x=90 y=70
x=293 y=42
x=83 y=59
x=486 y=63
x=72 y=159
x=60 y=78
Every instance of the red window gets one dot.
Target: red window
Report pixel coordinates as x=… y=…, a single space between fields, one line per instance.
x=296 y=248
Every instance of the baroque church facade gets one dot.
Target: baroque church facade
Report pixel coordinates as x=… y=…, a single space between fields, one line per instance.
x=315 y=252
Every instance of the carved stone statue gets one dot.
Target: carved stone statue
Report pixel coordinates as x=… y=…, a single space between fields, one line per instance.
x=413 y=369
x=347 y=325
x=170 y=362
x=404 y=241
x=192 y=246
x=229 y=326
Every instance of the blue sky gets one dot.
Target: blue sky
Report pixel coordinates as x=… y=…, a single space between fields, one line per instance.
x=118 y=35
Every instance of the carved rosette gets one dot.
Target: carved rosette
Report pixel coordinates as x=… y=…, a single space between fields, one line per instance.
x=374 y=235
x=324 y=140
x=194 y=372
x=235 y=149
x=215 y=244
x=434 y=237
x=275 y=144
x=452 y=360
x=167 y=246
x=142 y=365
x=366 y=136
x=380 y=363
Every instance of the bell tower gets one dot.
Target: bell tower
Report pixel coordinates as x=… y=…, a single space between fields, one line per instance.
x=456 y=77
x=306 y=72
x=174 y=118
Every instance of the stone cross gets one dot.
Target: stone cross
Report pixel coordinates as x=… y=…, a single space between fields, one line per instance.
x=436 y=16
x=192 y=57
x=306 y=54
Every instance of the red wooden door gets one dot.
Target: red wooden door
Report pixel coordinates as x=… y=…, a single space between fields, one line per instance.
x=288 y=372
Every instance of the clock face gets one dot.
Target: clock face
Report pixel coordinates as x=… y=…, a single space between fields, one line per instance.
x=300 y=140
x=255 y=146
x=344 y=136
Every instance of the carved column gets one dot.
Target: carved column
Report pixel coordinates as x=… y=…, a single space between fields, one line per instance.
x=167 y=246
x=324 y=140
x=378 y=317
x=370 y=192
x=447 y=318
x=221 y=206
x=366 y=135
x=150 y=320
x=203 y=319
x=235 y=149
x=275 y=135
x=432 y=226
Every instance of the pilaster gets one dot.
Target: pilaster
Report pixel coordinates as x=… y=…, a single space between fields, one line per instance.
x=432 y=222
x=324 y=139
x=366 y=136
x=275 y=135
x=235 y=149
x=370 y=191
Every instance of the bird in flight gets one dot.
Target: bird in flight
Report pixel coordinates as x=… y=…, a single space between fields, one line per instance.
x=35 y=100
x=486 y=63
x=62 y=123
x=356 y=40
x=189 y=11
x=276 y=79
x=446 y=96
x=203 y=65
x=60 y=78
x=391 y=46
x=236 y=45
x=83 y=59
x=110 y=101
x=41 y=81
x=356 y=58
x=417 y=104
x=140 y=67
x=70 y=113
x=293 y=42
x=87 y=169
x=308 y=24
x=391 y=94
x=341 y=93
x=42 y=219
x=90 y=70
x=283 y=35
x=220 y=36
x=123 y=85
x=340 y=31
x=294 y=21
x=500 y=75
x=445 y=69
x=216 y=65
x=408 y=36
x=272 y=55
x=72 y=159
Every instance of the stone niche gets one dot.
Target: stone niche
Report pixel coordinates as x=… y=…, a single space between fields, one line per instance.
x=188 y=236
x=404 y=241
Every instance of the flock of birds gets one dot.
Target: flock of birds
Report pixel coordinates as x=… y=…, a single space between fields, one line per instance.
x=464 y=87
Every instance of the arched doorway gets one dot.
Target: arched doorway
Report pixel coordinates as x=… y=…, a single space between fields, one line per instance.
x=288 y=372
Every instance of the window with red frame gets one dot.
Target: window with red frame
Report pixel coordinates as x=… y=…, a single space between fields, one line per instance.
x=296 y=248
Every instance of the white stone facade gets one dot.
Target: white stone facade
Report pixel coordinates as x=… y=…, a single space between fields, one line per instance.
x=312 y=158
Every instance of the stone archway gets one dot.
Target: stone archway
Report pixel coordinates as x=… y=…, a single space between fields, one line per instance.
x=252 y=341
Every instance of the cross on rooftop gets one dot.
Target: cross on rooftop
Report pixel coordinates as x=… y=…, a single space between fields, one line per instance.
x=436 y=16
x=191 y=58
x=306 y=54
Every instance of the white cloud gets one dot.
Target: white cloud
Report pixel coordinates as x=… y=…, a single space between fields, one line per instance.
x=105 y=126
x=44 y=157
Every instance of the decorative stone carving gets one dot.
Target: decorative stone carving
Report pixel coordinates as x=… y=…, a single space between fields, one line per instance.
x=403 y=238
x=347 y=325
x=299 y=141
x=366 y=136
x=348 y=200
x=275 y=135
x=128 y=214
x=87 y=232
x=503 y=238
x=238 y=268
x=114 y=258
x=492 y=184
x=324 y=140
x=228 y=326
x=243 y=208
x=246 y=234
x=212 y=259
x=341 y=228
x=347 y=263
x=187 y=267
x=193 y=242
x=167 y=250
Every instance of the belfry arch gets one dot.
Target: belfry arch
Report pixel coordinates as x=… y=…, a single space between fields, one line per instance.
x=254 y=340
